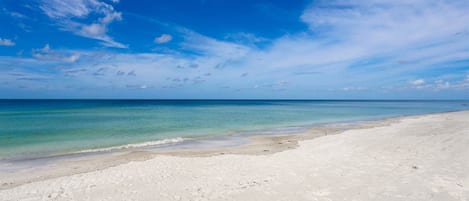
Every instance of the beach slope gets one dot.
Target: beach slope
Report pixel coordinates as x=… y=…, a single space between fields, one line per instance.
x=416 y=158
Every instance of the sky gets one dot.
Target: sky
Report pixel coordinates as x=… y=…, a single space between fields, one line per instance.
x=234 y=49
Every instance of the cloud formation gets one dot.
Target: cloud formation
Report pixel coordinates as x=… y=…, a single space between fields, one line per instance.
x=418 y=82
x=373 y=46
x=46 y=53
x=6 y=42
x=391 y=29
x=86 y=18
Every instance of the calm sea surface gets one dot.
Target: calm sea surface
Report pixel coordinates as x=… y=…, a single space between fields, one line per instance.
x=32 y=128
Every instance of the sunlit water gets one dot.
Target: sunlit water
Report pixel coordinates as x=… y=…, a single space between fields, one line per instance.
x=32 y=128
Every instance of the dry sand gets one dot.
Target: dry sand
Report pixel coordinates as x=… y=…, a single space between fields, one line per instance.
x=415 y=158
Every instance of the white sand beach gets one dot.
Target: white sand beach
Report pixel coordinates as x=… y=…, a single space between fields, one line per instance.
x=414 y=158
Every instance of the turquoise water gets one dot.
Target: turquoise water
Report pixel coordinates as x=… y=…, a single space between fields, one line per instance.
x=33 y=128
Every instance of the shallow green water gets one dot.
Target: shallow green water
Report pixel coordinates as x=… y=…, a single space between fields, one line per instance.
x=31 y=128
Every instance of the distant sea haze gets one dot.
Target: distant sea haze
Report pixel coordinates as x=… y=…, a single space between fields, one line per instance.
x=36 y=128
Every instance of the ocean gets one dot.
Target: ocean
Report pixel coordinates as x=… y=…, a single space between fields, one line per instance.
x=38 y=128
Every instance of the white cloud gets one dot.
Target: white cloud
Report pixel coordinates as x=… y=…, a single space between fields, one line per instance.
x=441 y=84
x=164 y=38
x=211 y=47
x=6 y=42
x=46 y=53
x=399 y=30
x=68 y=8
x=418 y=82
x=46 y=48
x=94 y=29
x=70 y=14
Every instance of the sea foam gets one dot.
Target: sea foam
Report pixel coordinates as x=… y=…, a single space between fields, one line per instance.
x=136 y=145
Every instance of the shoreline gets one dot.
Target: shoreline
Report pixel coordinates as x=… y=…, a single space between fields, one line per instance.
x=45 y=168
x=421 y=157
x=174 y=143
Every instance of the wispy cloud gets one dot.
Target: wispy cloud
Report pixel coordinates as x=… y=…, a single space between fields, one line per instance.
x=164 y=38
x=418 y=82
x=354 y=89
x=14 y=14
x=46 y=53
x=438 y=84
x=399 y=30
x=87 y=18
x=441 y=84
x=208 y=46
x=245 y=38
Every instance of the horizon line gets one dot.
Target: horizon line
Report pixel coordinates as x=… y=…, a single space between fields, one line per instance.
x=215 y=99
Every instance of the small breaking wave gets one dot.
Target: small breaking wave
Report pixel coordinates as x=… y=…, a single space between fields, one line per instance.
x=136 y=145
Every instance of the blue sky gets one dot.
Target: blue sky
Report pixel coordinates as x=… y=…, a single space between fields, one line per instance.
x=298 y=49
